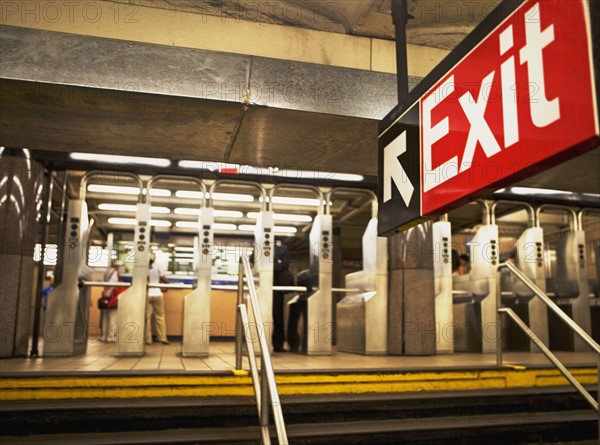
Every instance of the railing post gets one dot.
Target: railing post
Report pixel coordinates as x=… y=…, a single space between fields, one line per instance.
x=499 y=328
x=264 y=390
x=238 y=320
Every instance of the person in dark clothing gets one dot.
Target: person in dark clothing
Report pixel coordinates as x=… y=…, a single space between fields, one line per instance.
x=298 y=312
x=281 y=277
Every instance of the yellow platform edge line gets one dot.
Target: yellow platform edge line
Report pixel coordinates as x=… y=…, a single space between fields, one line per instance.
x=104 y=387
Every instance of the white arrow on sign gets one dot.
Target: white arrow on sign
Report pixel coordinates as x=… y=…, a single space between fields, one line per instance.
x=394 y=172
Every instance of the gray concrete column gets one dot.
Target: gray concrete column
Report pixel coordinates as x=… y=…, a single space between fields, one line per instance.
x=411 y=298
x=21 y=182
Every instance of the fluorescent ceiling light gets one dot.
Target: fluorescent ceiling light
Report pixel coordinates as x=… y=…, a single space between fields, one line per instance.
x=184 y=249
x=219 y=226
x=118 y=159
x=276 y=229
x=536 y=191
x=183 y=261
x=132 y=208
x=216 y=213
x=323 y=176
x=288 y=200
x=270 y=171
x=188 y=194
x=184 y=255
x=233 y=197
x=195 y=225
x=133 y=222
x=123 y=190
x=284 y=217
x=285 y=229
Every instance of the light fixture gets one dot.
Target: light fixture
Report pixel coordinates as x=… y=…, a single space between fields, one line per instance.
x=195 y=225
x=216 y=213
x=131 y=208
x=124 y=190
x=276 y=229
x=183 y=261
x=133 y=222
x=270 y=171
x=319 y=176
x=118 y=159
x=189 y=194
x=288 y=200
x=184 y=255
x=536 y=191
x=184 y=249
x=283 y=217
x=232 y=197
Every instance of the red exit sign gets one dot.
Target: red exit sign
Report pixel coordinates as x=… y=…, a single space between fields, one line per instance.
x=523 y=95
x=521 y=99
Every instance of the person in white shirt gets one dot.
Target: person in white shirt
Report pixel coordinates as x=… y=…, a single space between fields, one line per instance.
x=108 y=316
x=156 y=304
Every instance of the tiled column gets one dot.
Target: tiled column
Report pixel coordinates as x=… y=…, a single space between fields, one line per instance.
x=411 y=307
x=21 y=182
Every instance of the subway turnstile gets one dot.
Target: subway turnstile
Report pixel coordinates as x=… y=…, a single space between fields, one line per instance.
x=569 y=284
x=475 y=311
x=67 y=313
x=442 y=279
x=529 y=258
x=196 y=313
x=263 y=266
x=362 y=318
x=131 y=315
x=319 y=327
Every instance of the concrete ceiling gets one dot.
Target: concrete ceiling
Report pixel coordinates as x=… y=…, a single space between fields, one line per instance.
x=440 y=24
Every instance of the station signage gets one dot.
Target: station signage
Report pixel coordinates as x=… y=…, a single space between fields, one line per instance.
x=518 y=96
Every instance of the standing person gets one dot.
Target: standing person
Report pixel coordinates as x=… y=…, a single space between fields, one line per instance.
x=156 y=304
x=281 y=277
x=108 y=316
x=464 y=262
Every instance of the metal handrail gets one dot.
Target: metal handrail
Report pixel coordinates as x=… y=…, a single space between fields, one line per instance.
x=312 y=188
x=329 y=198
x=85 y=180
x=267 y=387
x=570 y=211
x=193 y=179
x=255 y=185
x=525 y=205
x=542 y=296
x=582 y=212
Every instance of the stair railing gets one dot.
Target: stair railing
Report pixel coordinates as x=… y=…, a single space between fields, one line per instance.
x=265 y=387
x=535 y=339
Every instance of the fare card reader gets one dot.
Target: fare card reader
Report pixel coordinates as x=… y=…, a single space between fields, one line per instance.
x=196 y=315
x=442 y=280
x=65 y=333
x=362 y=318
x=319 y=327
x=263 y=266
x=131 y=315
x=475 y=318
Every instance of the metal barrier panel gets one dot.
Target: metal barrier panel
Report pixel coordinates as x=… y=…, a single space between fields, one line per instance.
x=319 y=325
x=67 y=312
x=442 y=280
x=131 y=315
x=196 y=315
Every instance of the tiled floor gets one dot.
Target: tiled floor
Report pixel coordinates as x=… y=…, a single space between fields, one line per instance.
x=100 y=357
